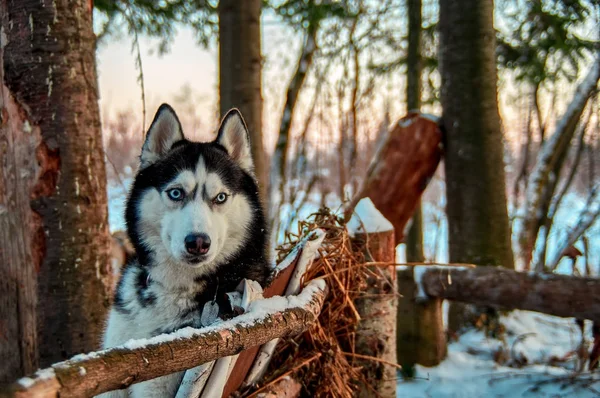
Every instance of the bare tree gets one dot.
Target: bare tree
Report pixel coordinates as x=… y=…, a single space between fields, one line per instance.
x=544 y=178
x=54 y=239
x=280 y=155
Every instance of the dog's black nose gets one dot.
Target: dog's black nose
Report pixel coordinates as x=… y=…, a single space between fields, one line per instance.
x=197 y=243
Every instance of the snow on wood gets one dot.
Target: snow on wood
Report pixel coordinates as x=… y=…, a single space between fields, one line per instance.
x=199 y=382
x=367 y=219
x=266 y=351
x=401 y=168
x=299 y=257
x=559 y=295
x=144 y=359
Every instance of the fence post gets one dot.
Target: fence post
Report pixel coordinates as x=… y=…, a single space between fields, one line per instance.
x=376 y=332
x=419 y=328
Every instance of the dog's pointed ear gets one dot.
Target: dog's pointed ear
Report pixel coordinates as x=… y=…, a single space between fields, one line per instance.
x=164 y=131
x=234 y=137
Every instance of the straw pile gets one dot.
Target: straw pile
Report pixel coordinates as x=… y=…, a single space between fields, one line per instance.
x=322 y=358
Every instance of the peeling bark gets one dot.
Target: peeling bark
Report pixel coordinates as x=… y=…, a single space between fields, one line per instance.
x=54 y=168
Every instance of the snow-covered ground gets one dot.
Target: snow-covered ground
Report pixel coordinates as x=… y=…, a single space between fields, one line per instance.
x=532 y=343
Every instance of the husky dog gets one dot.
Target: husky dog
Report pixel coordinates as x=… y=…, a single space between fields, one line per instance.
x=198 y=228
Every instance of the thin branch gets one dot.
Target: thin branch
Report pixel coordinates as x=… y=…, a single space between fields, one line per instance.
x=138 y=62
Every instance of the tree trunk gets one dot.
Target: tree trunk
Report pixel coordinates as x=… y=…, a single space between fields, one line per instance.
x=420 y=331
x=420 y=335
x=55 y=221
x=475 y=184
x=559 y=295
x=376 y=331
x=240 y=68
x=414 y=237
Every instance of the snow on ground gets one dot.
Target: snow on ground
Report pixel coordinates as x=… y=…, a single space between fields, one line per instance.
x=471 y=371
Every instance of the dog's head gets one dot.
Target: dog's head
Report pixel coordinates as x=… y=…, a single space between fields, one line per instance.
x=193 y=203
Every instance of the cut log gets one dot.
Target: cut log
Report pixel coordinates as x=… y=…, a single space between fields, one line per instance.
x=140 y=360
x=559 y=295
x=401 y=169
x=376 y=332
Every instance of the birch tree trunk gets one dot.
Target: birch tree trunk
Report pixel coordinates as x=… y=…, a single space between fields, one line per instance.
x=240 y=68
x=53 y=185
x=377 y=306
x=475 y=180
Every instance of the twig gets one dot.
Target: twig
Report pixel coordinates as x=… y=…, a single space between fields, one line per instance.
x=375 y=359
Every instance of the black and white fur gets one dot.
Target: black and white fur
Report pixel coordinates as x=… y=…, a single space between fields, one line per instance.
x=165 y=287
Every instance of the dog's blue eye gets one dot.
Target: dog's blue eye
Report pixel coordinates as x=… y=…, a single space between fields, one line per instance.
x=221 y=198
x=175 y=194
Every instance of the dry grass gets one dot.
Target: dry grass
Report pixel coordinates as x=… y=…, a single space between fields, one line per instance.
x=323 y=357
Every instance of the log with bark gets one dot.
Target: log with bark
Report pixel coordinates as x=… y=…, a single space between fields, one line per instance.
x=559 y=295
x=401 y=169
x=139 y=360
x=376 y=331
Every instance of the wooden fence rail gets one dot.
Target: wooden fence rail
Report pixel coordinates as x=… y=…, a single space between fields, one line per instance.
x=139 y=360
x=560 y=295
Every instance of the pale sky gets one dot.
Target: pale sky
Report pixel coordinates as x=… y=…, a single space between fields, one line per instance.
x=186 y=63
